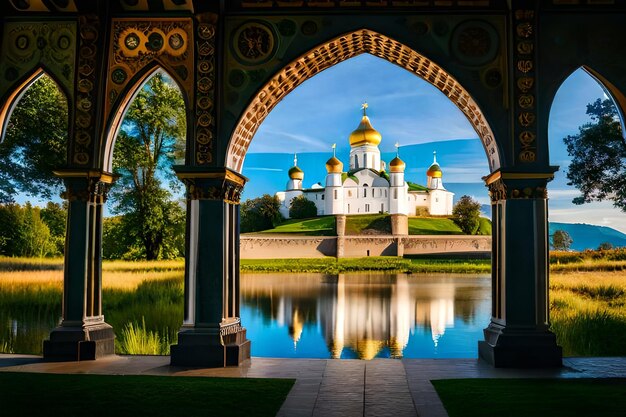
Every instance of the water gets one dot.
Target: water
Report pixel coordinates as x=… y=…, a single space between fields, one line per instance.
x=365 y=315
x=359 y=315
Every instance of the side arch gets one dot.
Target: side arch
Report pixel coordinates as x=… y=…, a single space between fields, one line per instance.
x=12 y=98
x=340 y=49
x=116 y=116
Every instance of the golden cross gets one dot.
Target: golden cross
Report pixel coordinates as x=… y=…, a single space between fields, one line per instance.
x=364 y=106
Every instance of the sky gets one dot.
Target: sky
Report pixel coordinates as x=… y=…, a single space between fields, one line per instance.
x=406 y=109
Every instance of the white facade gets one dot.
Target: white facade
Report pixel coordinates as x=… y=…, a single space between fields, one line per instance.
x=366 y=188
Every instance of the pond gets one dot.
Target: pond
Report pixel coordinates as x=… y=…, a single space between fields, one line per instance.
x=348 y=316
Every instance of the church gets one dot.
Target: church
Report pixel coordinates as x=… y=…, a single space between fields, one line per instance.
x=367 y=187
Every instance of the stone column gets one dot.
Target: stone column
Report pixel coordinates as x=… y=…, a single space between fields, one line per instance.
x=340 y=229
x=82 y=334
x=399 y=229
x=519 y=335
x=211 y=334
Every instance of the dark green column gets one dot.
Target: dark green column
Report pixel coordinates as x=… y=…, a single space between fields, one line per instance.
x=212 y=334
x=82 y=333
x=519 y=335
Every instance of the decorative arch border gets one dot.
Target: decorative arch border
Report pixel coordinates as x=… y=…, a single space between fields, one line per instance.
x=338 y=50
x=116 y=117
x=13 y=98
x=613 y=92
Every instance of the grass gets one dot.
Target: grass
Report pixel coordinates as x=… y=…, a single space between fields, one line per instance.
x=30 y=394
x=532 y=397
x=368 y=224
x=433 y=226
x=319 y=226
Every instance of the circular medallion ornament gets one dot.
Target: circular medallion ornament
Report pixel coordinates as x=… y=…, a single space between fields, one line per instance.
x=22 y=42
x=204 y=102
x=309 y=28
x=63 y=42
x=287 y=27
x=254 y=43
x=118 y=76
x=131 y=41
x=205 y=84
x=204 y=136
x=475 y=43
x=176 y=41
x=420 y=28
x=155 y=42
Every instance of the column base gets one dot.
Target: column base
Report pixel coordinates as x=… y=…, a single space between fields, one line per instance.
x=80 y=343
x=211 y=348
x=504 y=348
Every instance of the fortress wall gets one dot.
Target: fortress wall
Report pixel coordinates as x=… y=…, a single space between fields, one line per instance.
x=262 y=247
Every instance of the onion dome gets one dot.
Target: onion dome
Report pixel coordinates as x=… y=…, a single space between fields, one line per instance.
x=434 y=170
x=334 y=166
x=295 y=173
x=365 y=134
x=397 y=165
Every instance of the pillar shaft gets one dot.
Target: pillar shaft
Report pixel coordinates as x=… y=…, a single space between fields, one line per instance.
x=211 y=334
x=82 y=334
x=518 y=335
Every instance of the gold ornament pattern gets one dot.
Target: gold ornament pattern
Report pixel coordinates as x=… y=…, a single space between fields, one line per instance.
x=501 y=190
x=205 y=93
x=525 y=82
x=220 y=190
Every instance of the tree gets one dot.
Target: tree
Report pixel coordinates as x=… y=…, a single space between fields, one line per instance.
x=24 y=233
x=302 y=208
x=561 y=240
x=466 y=214
x=35 y=143
x=605 y=246
x=54 y=215
x=259 y=213
x=598 y=167
x=151 y=137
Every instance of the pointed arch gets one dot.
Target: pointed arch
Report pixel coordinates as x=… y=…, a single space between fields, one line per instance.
x=338 y=50
x=8 y=105
x=116 y=117
x=618 y=96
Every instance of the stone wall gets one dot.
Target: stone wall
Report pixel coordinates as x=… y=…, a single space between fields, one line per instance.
x=263 y=247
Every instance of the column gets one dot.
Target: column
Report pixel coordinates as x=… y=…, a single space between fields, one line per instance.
x=211 y=334
x=82 y=334
x=518 y=334
x=340 y=229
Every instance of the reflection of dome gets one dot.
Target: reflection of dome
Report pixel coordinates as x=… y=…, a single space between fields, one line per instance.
x=397 y=165
x=295 y=330
x=368 y=349
x=365 y=134
x=296 y=173
x=334 y=166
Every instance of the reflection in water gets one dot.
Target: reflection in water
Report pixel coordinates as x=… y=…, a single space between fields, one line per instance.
x=365 y=315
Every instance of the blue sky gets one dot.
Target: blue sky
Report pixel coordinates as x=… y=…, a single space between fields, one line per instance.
x=405 y=108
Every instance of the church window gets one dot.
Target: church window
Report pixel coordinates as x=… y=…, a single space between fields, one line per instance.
x=356 y=161
x=349 y=193
x=385 y=193
x=382 y=207
x=348 y=208
x=365 y=193
x=335 y=194
x=323 y=196
x=367 y=208
x=395 y=194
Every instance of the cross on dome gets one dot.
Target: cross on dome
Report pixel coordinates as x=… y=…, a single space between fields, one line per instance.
x=295 y=159
x=364 y=106
x=434 y=157
x=397 y=145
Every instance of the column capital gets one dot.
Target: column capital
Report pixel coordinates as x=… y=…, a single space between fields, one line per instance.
x=92 y=185
x=219 y=184
x=510 y=185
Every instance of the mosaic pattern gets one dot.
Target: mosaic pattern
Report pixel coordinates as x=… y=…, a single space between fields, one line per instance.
x=524 y=79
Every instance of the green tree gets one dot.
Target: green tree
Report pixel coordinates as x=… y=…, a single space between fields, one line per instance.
x=561 y=240
x=24 y=233
x=598 y=167
x=302 y=208
x=259 y=213
x=466 y=214
x=54 y=215
x=34 y=143
x=151 y=137
x=605 y=246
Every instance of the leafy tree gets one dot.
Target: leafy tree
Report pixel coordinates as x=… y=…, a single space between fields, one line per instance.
x=598 y=167
x=35 y=143
x=302 y=208
x=23 y=232
x=151 y=137
x=259 y=213
x=561 y=240
x=605 y=246
x=54 y=215
x=466 y=214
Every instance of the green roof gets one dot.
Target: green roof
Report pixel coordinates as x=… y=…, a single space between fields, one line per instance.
x=346 y=175
x=416 y=187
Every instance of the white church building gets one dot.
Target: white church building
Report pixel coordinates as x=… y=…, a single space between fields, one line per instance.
x=367 y=187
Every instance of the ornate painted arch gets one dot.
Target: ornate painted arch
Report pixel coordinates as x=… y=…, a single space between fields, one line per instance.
x=340 y=49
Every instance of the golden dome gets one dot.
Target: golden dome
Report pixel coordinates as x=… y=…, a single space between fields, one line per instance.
x=296 y=173
x=365 y=134
x=434 y=171
x=334 y=166
x=397 y=165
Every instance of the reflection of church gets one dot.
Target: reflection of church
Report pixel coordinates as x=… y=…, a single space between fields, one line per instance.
x=366 y=316
x=367 y=187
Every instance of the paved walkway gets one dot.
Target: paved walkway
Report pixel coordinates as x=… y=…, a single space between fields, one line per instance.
x=381 y=387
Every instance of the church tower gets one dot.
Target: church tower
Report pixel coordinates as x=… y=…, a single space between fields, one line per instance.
x=398 y=200
x=296 y=175
x=434 y=174
x=364 y=152
x=333 y=193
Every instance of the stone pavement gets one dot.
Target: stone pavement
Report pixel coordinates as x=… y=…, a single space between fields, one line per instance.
x=381 y=387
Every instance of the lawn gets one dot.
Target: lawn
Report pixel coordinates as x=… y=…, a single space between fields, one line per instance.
x=532 y=397
x=30 y=394
x=319 y=226
x=433 y=226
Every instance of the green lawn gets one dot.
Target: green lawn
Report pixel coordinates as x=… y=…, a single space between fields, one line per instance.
x=533 y=397
x=355 y=225
x=30 y=394
x=320 y=226
x=433 y=226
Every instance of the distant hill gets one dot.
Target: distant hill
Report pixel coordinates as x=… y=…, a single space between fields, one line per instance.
x=587 y=236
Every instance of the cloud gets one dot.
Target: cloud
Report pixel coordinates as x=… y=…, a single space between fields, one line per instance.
x=263 y=169
x=564 y=193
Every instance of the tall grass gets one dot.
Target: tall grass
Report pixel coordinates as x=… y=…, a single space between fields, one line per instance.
x=136 y=339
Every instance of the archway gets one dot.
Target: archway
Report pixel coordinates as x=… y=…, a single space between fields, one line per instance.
x=338 y=50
